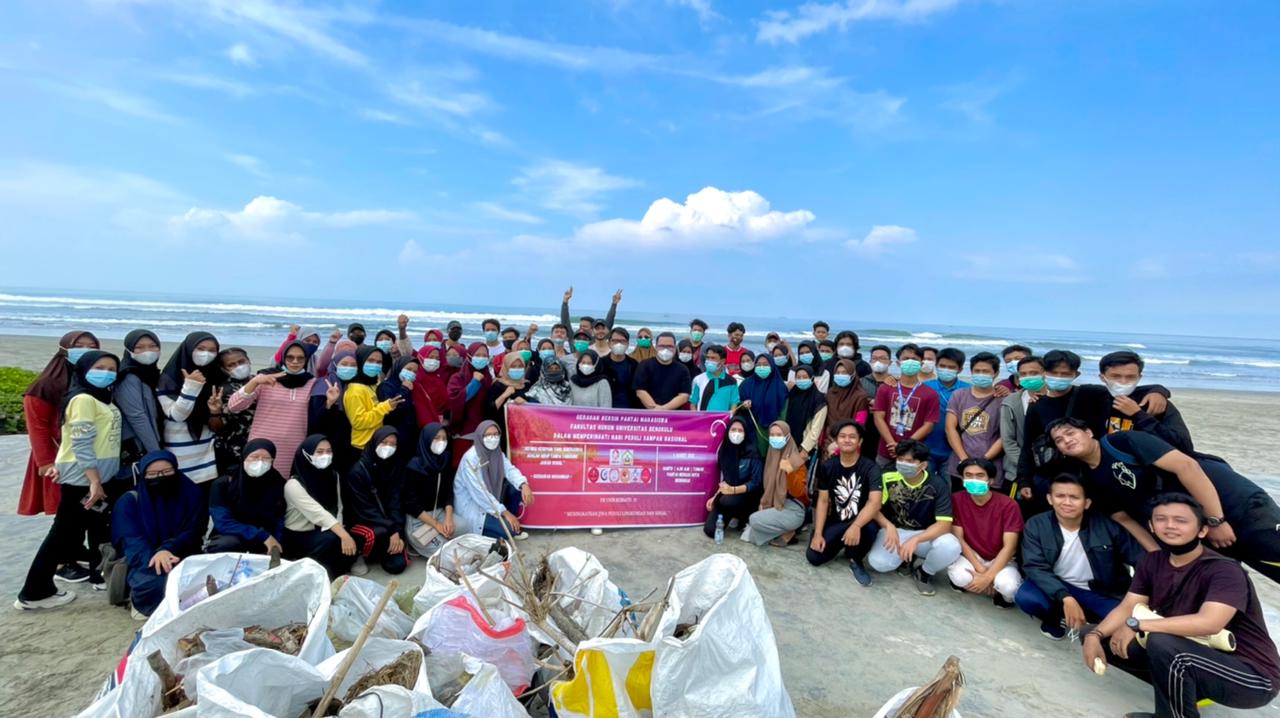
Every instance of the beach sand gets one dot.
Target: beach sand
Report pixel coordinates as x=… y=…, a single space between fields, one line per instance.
x=844 y=649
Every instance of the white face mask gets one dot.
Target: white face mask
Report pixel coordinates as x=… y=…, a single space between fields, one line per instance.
x=256 y=467
x=146 y=358
x=665 y=354
x=430 y=365
x=491 y=442
x=736 y=437
x=1119 y=389
x=618 y=349
x=587 y=369
x=686 y=356
x=771 y=345
x=845 y=351
x=927 y=367
x=385 y=451
x=241 y=372
x=320 y=461
x=879 y=367
x=438 y=447
x=203 y=358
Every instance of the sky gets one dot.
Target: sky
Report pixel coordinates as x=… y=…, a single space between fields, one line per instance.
x=1047 y=163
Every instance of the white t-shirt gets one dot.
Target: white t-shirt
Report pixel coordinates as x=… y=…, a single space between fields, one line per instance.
x=1072 y=565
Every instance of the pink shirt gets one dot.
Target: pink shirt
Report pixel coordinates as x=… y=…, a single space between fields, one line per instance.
x=281 y=418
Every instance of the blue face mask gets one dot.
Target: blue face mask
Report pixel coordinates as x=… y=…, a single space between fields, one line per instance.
x=948 y=375
x=384 y=345
x=804 y=384
x=910 y=367
x=515 y=373
x=976 y=487
x=782 y=362
x=547 y=354
x=101 y=378
x=712 y=366
x=491 y=337
x=778 y=442
x=842 y=380
x=408 y=375
x=806 y=358
x=983 y=381
x=346 y=373
x=373 y=369
x=1058 y=383
x=480 y=362
x=764 y=371
x=1011 y=367
x=74 y=353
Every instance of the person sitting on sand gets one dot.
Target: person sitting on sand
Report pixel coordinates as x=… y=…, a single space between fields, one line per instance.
x=311 y=526
x=154 y=527
x=849 y=497
x=1196 y=592
x=247 y=506
x=490 y=493
x=784 y=499
x=741 y=477
x=1076 y=561
x=987 y=525
x=371 y=506
x=916 y=519
x=1126 y=470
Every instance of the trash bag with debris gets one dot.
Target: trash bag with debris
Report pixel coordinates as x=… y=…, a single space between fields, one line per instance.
x=188 y=583
x=354 y=604
x=591 y=599
x=396 y=702
x=486 y=695
x=898 y=700
x=260 y=683
x=382 y=662
x=458 y=626
x=466 y=554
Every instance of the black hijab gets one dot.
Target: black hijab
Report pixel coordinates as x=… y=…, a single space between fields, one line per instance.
x=425 y=461
x=294 y=381
x=730 y=454
x=803 y=404
x=816 y=364
x=171 y=379
x=377 y=466
x=80 y=385
x=149 y=374
x=321 y=484
x=393 y=381
x=599 y=374
x=257 y=501
x=691 y=365
x=363 y=354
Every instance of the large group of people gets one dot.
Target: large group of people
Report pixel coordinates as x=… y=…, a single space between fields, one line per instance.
x=1075 y=502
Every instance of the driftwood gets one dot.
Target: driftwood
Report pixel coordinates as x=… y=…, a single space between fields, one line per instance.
x=939 y=697
x=355 y=649
x=172 y=695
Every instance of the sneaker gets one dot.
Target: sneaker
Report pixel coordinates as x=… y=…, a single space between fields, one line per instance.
x=924 y=582
x=359 y=568
x=524 y=535
x=72 y=573
x=136 y=615
x=956 y=588
x=733 y=524
x=860 y=573
x=905 y=569
x=57 y=600
x=96 y=580
x=1000 y=601
x=597 y=532
x=1053 y=632
x=746 y=534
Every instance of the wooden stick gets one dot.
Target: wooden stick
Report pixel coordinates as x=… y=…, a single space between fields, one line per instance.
x=479 y=603
x=355 y=649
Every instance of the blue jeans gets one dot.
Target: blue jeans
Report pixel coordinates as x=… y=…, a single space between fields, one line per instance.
x=496 y=526
x=1034 y=602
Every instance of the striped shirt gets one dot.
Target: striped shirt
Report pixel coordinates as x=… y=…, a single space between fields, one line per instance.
x=281 y=417
x=195 y=456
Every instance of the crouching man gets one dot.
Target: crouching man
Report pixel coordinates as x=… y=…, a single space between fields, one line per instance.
x=987 y=525
x=915 y=521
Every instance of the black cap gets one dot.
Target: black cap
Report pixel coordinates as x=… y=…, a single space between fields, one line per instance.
x=600 y=323
x=453 y=323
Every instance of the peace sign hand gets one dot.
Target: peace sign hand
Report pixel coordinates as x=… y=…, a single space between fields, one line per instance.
x=331 y=392
x=617 y=296
x=215 y=401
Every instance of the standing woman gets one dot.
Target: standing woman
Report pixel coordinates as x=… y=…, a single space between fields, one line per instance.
x=399 y=382
x=191 y=405
x=430 y=387
x=311 y=526
x=686 y=357
x=782 y=506
x=511 y=387
x=135 y=396
x=326 y=413
x=747 y=369
x=741 y=478
x=282 y=399
x=40 y=405
x=364 y=411
x=552 y=388
x=247 y=506
x=644 y=345
x=764 y=394
x=427 y=493
x=229 y=442
x=371 y=505
x=806 y=413
x=468 y=390
x=490 y=492
x=846 y=401
x=88 y=459
x=590 y=383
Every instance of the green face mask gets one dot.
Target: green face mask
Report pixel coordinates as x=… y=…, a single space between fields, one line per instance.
x=526 y=355
x=581 y=346
x=696 y=336
x=1031 y=383
x=644 y=343
x=826 y=356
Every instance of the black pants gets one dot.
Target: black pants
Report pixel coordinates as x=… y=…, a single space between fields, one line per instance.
x=324 y=547
x=66 y=537
x=1182 y=672
x=1257 y=528
x=373 y=542
x=226 y=543
x=833 y=534
x=738 y=506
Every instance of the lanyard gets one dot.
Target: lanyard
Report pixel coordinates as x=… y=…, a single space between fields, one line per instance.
x=904 y=403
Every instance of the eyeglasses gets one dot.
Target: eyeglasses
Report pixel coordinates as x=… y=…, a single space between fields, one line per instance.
x=160 y=474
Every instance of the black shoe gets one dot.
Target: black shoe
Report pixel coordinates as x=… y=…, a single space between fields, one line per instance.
x=999 y=601
x=96 y=580
x=924 y=582
x=956 y=588
x=906 y=568
x=1053 y=632
x=72 y=573
x=860 y=573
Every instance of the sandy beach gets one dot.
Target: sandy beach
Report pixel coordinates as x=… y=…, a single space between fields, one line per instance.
x=844 y=650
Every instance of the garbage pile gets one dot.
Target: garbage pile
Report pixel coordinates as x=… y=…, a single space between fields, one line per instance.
x=492 y=633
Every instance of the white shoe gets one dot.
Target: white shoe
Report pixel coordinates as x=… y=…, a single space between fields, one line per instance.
x=359 y=568
x=521 y=536
x=57 y=600
x=597 y=532
x=746 y=534
x=135 y=614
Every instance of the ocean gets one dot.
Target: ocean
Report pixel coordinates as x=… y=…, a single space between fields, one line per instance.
x=1176 y=361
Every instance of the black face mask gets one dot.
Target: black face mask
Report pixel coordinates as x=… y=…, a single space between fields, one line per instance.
x=556 y=377
x=508 y=343
x=162 y=487
x=455 y=361
x=357 y=337
x=455 y=334
x=1182 y=550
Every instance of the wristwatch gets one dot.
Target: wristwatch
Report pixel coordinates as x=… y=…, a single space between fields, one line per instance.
x=1133 y=624
x=1214 y=522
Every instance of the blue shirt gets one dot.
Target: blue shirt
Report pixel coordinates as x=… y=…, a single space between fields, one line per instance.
x=937 y=439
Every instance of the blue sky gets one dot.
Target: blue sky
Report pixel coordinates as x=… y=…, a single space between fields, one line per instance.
x=1048 y=163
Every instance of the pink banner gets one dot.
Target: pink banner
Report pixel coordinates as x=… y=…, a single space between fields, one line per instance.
x=598 y=468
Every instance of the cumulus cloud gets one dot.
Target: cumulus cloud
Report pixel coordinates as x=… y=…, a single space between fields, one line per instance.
x=812 y=18
x=267 y=218
x=569 y=188
x=881 y=239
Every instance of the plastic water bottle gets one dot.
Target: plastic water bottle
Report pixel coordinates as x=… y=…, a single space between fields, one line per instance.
x=720 y=529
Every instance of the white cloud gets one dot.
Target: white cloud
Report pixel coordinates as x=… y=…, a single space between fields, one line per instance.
x=812 y=18
x=505 y=213
x=705 y=12
x=116 y=100
x=802 y=92
x=240 y=54
x=383 y=116
x=248 y=163
x=1041 y=269
x=231 y=88
x=49 y=186
x=434 y=92
x=570 y=188
x=1151 y=268
x=267 y=218
x=881 y=239
x=303 y=26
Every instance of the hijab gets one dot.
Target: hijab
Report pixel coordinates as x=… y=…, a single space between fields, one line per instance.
x=816 y=364
x=321 y=484
x=599 y=374
x=458 y=385
x=450 y=371
x=730 y=454
x=492 y=462
x=321 y=388
x=686 y=345
x=426 y=461
x=803 y=405
x=844 y=402
x=165 y=513
x=393 y=377
x=52 y=384
x=356 y=325
x=642 y=353
x=256 y=500
x=775 y=479
x=767 y=396
x=295 y=381
x=508 y=359
x=309 y=348
x=363 y=355
x=747 y=364
x=430 y=389
x=171 y=380
x=376 y=466
x=552 y=387
x=80 y=385
x=149 y=374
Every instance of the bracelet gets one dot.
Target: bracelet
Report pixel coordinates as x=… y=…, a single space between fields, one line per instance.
x=1096 y=632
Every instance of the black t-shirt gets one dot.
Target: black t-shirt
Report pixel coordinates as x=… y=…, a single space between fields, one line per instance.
x=849 y=486
x=663 y=381
x=916 y=506
x=1182 y=591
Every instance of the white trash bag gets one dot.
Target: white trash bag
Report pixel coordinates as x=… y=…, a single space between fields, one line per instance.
x=898 y=700
x=486 y=695
x=377 y=652
x=593 y=600
x=354 y=604
x=259 y=683
x=466 y=554
x=457 y=626
x=395 y=702
x=185 y=586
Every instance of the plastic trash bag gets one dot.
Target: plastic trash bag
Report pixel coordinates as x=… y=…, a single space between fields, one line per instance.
x=457 y=626
x=259 y=683
x=377 y=652
x=593 y=600
x=896 y=702
x=219 y=643
x=466 y=554
x=185 y=585
x=486 y=694
x=395 y=702
x=354 y=604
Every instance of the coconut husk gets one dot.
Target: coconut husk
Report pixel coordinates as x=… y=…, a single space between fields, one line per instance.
x=402 y=672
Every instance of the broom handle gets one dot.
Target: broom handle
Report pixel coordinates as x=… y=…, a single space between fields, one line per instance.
x=355 y=649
